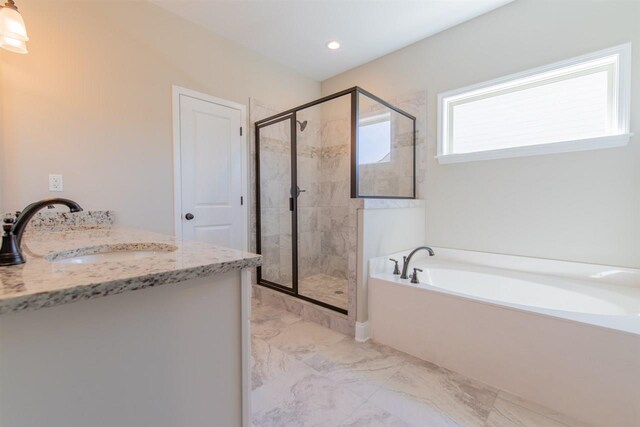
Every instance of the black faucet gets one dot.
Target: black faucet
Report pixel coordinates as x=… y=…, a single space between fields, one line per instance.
x=405 y=265
x=11 y=251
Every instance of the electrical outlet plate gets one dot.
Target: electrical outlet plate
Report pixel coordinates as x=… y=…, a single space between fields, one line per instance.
x=55 y=183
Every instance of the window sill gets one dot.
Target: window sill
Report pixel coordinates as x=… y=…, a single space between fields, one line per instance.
x=536 y=150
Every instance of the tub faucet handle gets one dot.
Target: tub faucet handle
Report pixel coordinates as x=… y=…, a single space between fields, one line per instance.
x=414 y=276
x=7 y=224
x=396 y=269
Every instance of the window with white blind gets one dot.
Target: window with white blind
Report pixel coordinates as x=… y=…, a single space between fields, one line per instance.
x=375 y=139
x=574 y=105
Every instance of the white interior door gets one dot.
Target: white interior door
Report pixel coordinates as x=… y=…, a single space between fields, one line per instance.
x=210 y=172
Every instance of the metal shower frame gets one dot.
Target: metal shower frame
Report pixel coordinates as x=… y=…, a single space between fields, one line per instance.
x=291 y=115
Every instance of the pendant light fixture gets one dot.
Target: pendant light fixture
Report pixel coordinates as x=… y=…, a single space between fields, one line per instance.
x=13 y=34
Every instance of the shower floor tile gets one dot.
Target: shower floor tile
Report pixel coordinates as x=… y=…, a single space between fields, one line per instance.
x=307 y=375
x=325 y=288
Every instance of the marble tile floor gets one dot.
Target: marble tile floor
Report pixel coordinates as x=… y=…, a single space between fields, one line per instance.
x=306 y=375
x=322 y=287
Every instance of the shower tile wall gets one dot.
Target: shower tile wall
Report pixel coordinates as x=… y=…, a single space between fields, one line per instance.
x=309 y=152
x=323 y=171
x=335 y=187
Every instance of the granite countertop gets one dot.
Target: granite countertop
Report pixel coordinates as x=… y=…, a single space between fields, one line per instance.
x=44 y=282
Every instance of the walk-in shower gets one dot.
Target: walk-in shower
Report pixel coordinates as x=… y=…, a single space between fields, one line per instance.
x=310 y=161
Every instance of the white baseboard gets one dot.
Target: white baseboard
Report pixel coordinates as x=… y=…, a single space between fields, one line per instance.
x=362 y=331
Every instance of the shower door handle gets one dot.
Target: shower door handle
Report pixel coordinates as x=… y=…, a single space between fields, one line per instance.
x=291 y=204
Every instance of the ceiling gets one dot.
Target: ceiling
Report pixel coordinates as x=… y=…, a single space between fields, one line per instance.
x=295 y=32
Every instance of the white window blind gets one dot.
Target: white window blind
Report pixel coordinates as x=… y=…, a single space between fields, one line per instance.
x=583 y=99
x=377 y=139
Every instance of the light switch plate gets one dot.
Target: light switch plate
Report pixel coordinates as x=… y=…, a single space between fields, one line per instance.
x=55 y=183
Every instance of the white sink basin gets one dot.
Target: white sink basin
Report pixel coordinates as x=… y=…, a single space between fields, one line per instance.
x=110 y=253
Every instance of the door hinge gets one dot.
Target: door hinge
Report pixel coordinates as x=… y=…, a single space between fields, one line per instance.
x=241 y=200
x=241 y=131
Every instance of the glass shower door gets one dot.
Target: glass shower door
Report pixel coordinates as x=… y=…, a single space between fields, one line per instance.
x=323 y=144
x=275 y=208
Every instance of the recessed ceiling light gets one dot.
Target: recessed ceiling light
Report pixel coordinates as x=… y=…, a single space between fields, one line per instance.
x=333 y=45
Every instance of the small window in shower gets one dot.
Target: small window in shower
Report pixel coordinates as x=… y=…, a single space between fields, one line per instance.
x=375 y=134
x=385 y=150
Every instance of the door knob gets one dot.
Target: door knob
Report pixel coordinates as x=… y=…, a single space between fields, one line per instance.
x=189 y=216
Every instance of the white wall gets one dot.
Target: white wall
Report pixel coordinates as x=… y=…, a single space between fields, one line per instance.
x=385 y=231
x=92 y=101
x=575 y=206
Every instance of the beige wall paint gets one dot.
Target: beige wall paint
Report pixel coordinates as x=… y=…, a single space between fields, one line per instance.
x=92 y=101
x=575 y=206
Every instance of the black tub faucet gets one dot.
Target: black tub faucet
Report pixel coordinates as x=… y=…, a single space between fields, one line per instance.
x=13 y=229
x=407 y=259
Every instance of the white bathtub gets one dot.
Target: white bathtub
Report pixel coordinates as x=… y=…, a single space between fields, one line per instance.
x=565 y=335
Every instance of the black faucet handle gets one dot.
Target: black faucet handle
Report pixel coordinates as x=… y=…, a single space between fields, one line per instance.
x=414 y=276
x=7 y=224
x=9 y=218
x=396 y=269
